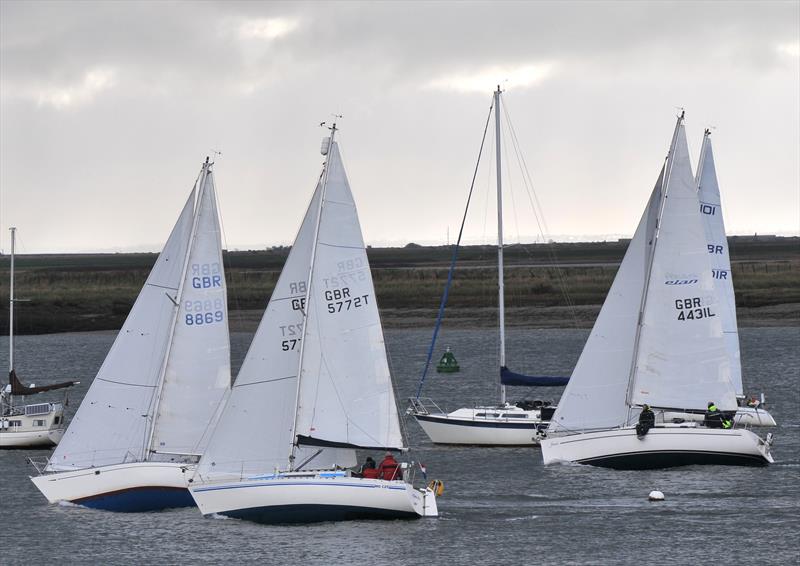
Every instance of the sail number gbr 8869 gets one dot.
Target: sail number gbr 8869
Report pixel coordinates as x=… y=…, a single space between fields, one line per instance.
x=692 y=309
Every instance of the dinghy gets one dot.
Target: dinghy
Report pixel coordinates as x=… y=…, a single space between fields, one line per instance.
x=503 y=424
x=26 y=426
x=658 y=341
x=314 y=387
x=144 y=422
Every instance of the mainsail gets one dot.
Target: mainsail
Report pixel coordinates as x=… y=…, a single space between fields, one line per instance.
x=711 y=212
x=345 y=394
x=681 y=361
x=115 y=419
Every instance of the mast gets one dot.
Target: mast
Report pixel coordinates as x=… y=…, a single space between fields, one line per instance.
x=649 y=270
x=702 y=161
x=176 y=308
x=11 y=305
x=500 y=283
x=326 y=169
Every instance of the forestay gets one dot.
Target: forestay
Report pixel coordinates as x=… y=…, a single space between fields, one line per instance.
x=112 y=423
x=711 y=213
x=345 y=394
x=254 y=432
x=595 y=395
x=198 y=369
x=681 y=360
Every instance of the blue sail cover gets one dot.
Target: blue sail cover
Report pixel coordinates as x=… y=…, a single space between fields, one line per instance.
x=508 y=377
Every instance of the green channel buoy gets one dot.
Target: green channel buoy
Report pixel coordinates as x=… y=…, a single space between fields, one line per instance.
x=448 y=363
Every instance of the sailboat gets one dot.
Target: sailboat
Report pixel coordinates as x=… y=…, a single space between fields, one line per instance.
x=749 y=411
x=658 y=341
x=26 y=426
x=499 y=424
x=144 y=422
x=314 y=387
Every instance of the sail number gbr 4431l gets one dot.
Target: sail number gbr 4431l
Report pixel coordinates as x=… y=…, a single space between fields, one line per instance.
x=692 y=309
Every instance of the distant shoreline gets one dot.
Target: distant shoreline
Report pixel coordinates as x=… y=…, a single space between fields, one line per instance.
x=547 y=286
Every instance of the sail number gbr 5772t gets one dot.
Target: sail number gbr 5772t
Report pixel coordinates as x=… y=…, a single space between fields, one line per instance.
x=692 y=309
x=341 y=300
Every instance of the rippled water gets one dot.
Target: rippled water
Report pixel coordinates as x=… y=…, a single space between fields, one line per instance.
x=501 y=505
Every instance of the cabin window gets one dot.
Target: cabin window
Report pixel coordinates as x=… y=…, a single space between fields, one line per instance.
x=38 y=422
x=56 y=420
x=487 y=415
x=14 y=423
x=514 y=416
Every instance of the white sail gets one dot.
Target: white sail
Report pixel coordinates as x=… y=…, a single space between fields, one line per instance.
x=345 y=396
x=112 y=423
x=681 y=360
x=711 y=212
x=198 y=370
x=594 y=397
x=254 y=432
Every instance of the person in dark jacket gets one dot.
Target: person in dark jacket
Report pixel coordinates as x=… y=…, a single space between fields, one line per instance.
x=715 y=418
x=647 y=420
x=389 y=469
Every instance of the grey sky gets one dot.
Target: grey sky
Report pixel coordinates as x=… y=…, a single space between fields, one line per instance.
x=108 y=108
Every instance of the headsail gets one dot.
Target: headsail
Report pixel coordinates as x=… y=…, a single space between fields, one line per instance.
x=112 y=423
x=681 y=361
x=345 y=394
x=595 y=395
x=711 y=212
x=198 y=370
x=263 y=396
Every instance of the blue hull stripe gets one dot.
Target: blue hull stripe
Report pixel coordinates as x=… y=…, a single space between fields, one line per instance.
x=315 y=513
x=482 y=424
x=139 y=499
x=283 y=484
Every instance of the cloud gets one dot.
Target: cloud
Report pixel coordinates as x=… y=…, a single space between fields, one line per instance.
x=94 y=82
x=266 y=28
x=792 y=49
x=485 y=79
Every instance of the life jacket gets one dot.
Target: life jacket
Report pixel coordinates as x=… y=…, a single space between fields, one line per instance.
x=389 y=469
x=371 y=473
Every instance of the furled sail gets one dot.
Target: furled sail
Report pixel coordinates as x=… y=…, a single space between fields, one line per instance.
x=508 y=377
x=345 y=395
x=254 y=432
x=198 y=368
x=711 y=212
x=681 y=360
x=595 y=395
x=112 y=423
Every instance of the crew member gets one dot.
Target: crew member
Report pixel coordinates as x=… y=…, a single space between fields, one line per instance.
x=715 y=418
x=647 y=420
x=389 y=469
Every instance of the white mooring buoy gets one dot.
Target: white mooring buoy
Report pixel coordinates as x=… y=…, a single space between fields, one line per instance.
x=656 y=495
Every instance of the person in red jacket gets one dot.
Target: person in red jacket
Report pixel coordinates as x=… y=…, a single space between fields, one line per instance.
x=389 y=469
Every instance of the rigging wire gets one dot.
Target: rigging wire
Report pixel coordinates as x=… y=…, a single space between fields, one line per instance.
x=540 y=221
x=443 y=303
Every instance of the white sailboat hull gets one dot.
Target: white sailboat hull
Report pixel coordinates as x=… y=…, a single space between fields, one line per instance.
x=445 y=429
x=30 y=438
x=662 y=447
x=314 y=499
x=135 y=487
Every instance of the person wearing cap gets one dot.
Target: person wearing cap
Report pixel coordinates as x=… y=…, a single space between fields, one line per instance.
x=647 y=420
x=389 y=469
x=368 y=470
x=714 y=417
